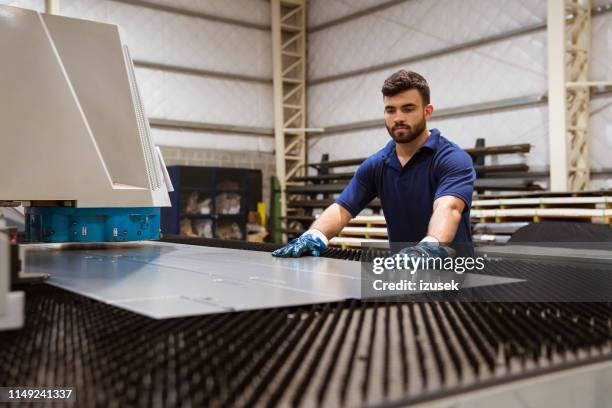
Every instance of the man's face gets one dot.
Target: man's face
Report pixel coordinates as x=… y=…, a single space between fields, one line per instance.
x=405 y=115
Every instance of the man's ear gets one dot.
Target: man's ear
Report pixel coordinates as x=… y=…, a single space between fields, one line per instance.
x=429 y=111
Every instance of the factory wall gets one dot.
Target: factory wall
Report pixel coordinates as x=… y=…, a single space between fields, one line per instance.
x=178 y=56
x=511 y=68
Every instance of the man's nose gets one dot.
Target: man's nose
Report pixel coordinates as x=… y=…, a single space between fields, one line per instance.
x=399 y=119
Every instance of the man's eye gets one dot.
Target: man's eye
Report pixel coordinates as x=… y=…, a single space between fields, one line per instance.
x=407 y=109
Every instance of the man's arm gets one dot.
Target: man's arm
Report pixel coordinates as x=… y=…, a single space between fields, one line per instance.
x=442 y=228
x=445 y=219
x=359 y=192
x=453 y=196
x=315 y=240
x=332 y=220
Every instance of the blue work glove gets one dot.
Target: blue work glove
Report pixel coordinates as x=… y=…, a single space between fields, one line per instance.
x=426 y=250
x=312 y=241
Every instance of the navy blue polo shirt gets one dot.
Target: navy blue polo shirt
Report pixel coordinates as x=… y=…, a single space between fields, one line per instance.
x=439 y=168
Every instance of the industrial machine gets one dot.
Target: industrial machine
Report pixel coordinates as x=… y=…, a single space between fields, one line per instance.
x=11 y=302
x=126 y=321
x=76 y=144
x=244 y=348
x=77 y=149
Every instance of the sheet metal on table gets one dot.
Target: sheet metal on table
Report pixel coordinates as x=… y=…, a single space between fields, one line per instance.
x=581 y=252
x=164 y=280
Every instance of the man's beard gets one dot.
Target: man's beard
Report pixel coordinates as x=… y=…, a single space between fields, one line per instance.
x=410 y=132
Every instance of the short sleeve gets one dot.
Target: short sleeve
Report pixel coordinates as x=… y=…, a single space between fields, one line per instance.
x=360 y=190
x=456 y=175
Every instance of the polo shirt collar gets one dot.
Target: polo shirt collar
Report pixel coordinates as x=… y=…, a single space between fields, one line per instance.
x=432 y=141
x=390 y=157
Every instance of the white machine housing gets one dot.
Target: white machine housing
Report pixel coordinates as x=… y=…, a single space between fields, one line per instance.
x=71 y=117
x=12 y=304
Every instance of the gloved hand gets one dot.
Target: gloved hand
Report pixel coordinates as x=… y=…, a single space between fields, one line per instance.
x=312 y=241
x=426 y=250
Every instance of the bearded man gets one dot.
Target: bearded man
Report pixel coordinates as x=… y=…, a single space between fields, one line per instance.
x=424 y=181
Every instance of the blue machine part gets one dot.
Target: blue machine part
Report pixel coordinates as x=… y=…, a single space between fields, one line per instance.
x=62 y=224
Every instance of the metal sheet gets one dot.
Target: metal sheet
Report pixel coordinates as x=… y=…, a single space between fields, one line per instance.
x=163 y=280
x=587 y=386
x=583 y=252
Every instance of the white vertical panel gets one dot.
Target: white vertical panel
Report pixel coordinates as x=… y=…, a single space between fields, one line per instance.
x=557 y=128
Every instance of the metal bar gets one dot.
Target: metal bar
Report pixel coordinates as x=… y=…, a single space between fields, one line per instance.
x=289 y=147
x=338 y=187
x=211 y=127
x=293 y=170
x=52 y=6
x=293 y=118
x=503 y=149
x=291 y=93
x=313 y=130
x=499 y=168
x=338 y=163
x=502 y=104
x=195 y=14
x=323 y=203
x=291 y=41
x=291 y=67
x=325 y=177
x=277 y=67
x=557 y=121
x=289 y=16
x=202 y=72
x=316 y=188
x=474 y=151
x=523 y=101
x=355 y=15
x=578 y=55
x=447 y=50
x=597 y=84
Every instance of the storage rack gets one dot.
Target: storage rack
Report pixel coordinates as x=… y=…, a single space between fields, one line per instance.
x=495 y=220
x=317 y=191
x=207 y=183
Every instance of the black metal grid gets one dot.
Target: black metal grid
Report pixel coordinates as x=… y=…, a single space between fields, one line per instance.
x=347 y=353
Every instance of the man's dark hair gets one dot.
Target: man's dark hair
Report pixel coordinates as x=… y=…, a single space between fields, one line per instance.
x=403 y=80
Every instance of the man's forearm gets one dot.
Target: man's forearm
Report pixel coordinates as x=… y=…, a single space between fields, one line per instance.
x=445 y=219
x=332 y=220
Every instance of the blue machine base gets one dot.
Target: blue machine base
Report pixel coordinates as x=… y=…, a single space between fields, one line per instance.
x=61 y=224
